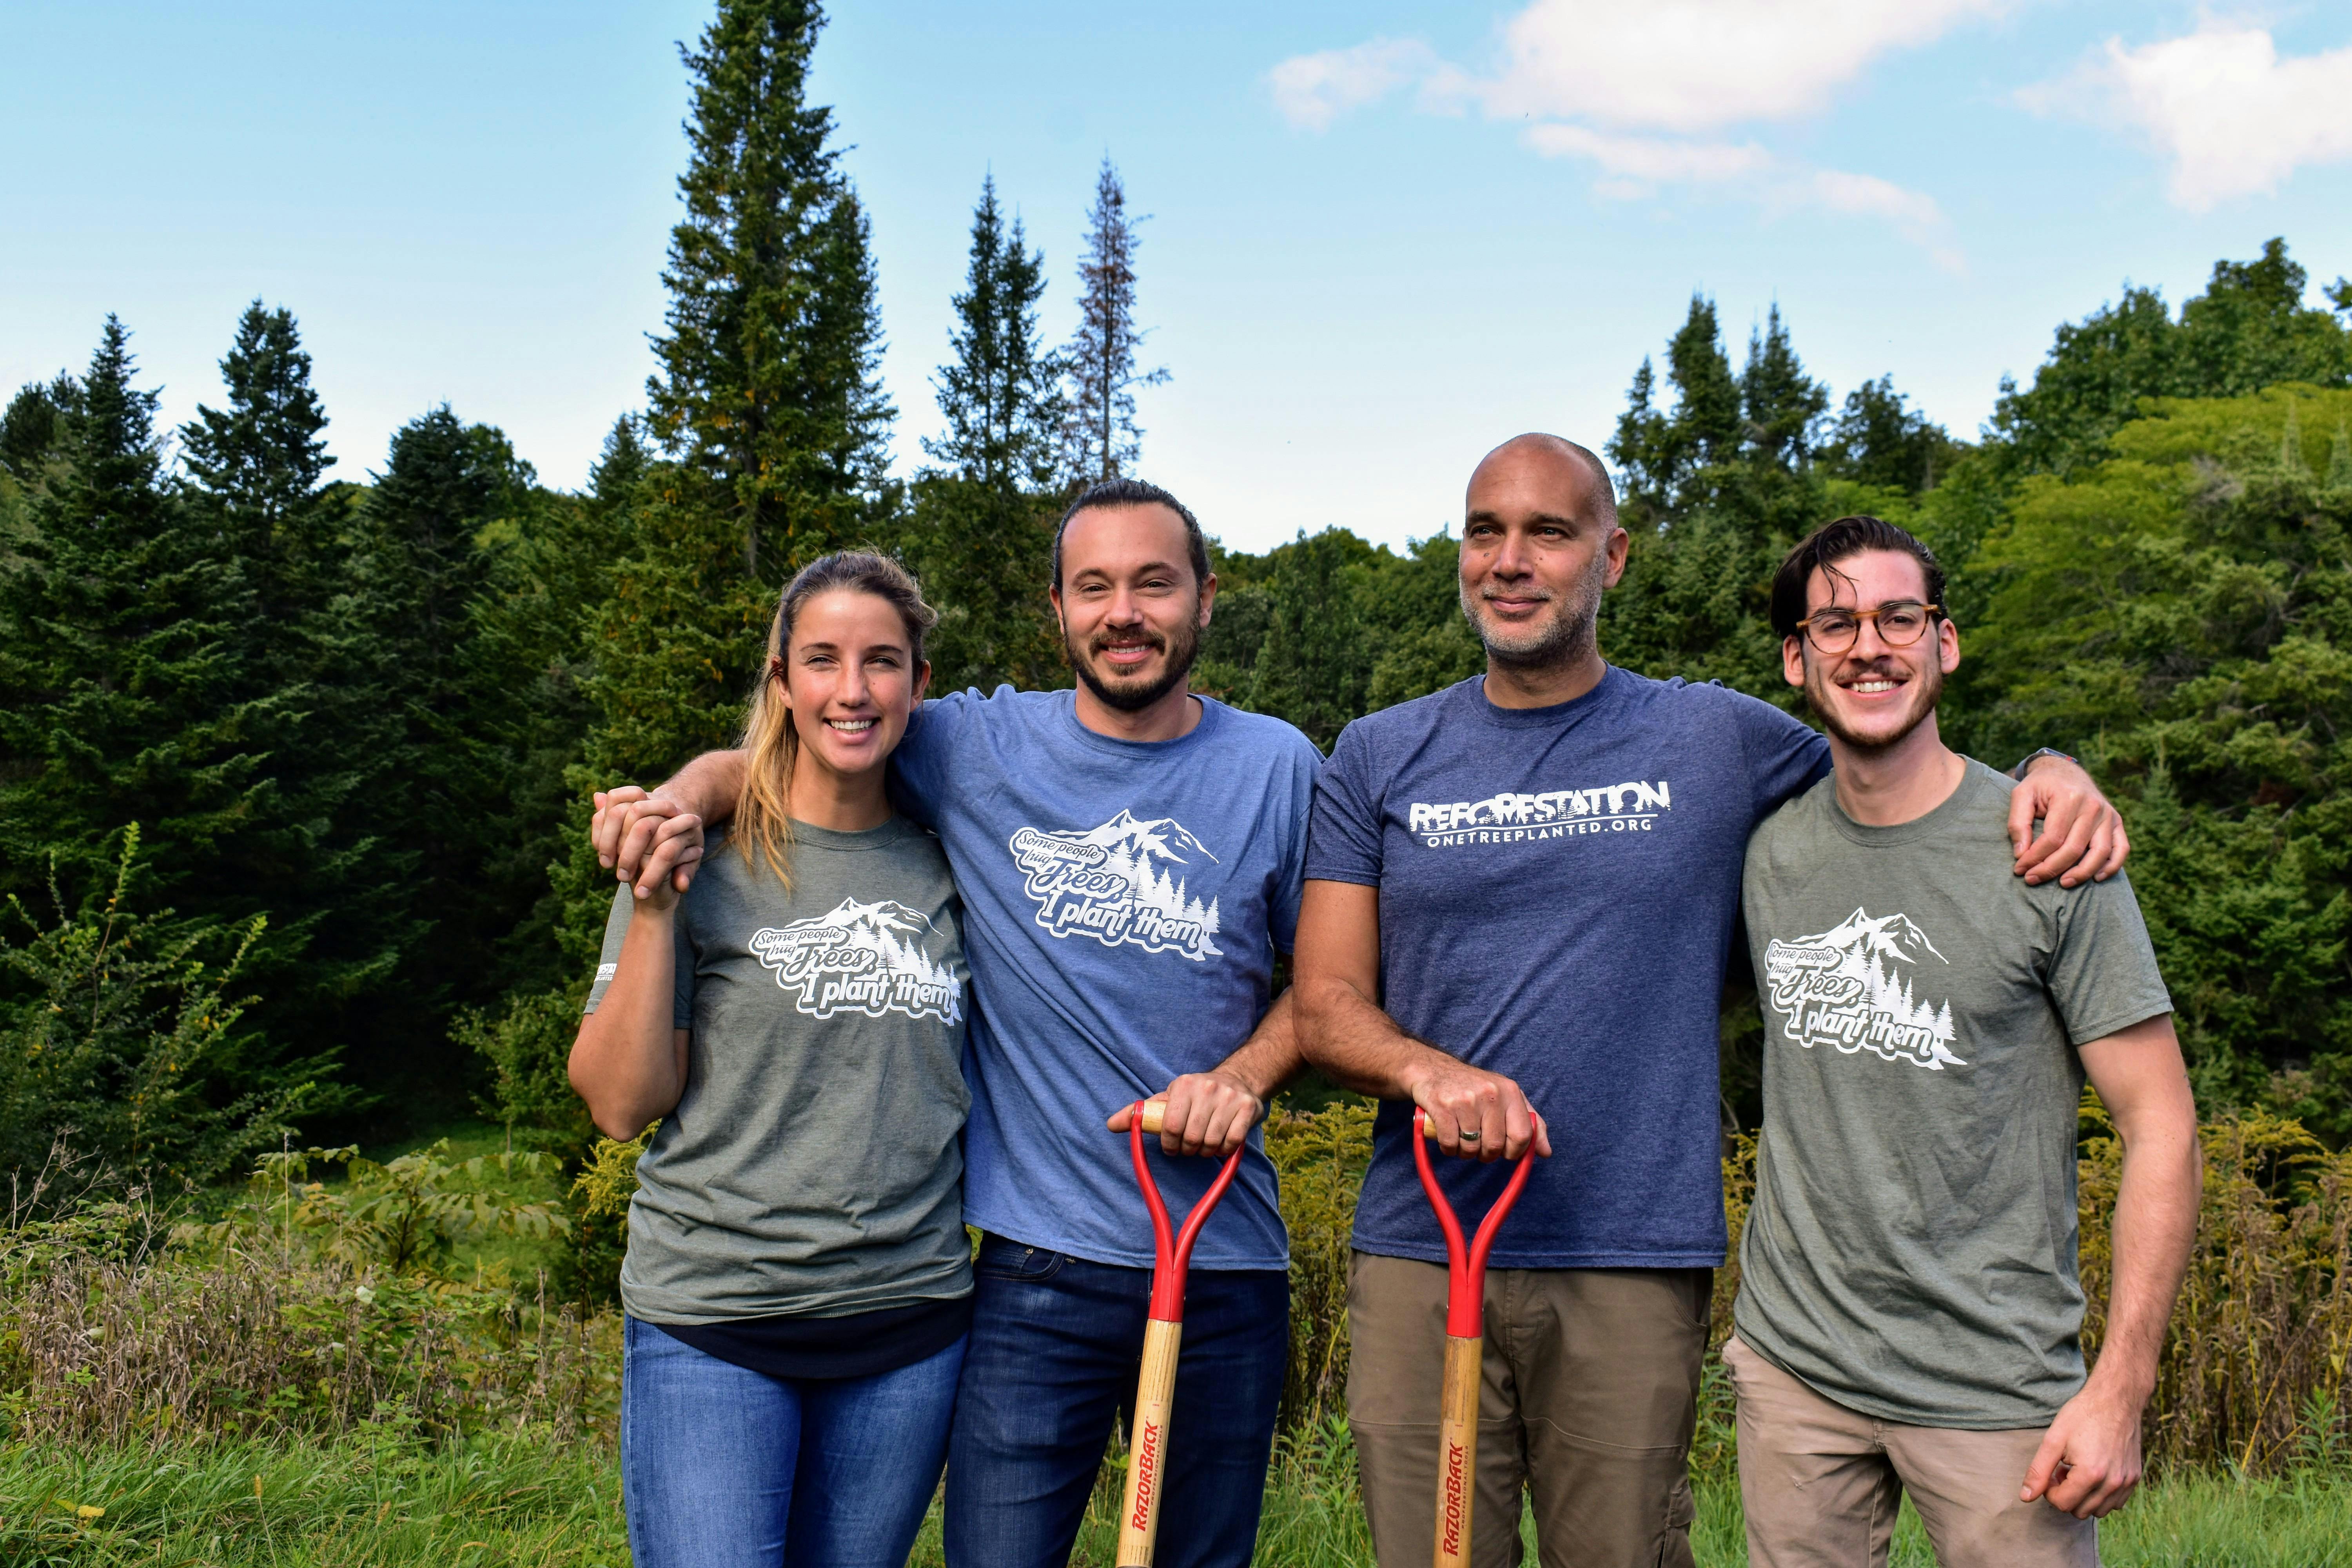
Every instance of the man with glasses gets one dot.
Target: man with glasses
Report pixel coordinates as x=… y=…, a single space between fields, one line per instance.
x=1909 y=1314
x=1522 y=888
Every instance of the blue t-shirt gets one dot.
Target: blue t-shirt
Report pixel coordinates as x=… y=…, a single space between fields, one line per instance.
x=1123 y=902
x=1557 y=891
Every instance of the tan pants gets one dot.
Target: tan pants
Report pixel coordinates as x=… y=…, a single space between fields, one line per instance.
x=1592 y=1393
x=1820 y=1484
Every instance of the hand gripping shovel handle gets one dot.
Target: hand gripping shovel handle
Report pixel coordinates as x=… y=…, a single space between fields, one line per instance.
x=1466 y=1329
x=1155 y=1390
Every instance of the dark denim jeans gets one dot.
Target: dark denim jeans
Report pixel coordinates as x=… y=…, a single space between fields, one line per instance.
x=726 y=1467
x=1056 y=1345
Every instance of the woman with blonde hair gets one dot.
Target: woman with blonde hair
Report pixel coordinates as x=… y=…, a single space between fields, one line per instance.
x=797 y=1282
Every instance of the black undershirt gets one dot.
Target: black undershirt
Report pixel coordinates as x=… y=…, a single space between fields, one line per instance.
x=862 y=1344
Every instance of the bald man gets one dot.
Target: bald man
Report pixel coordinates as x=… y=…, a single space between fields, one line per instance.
x=1520 y=896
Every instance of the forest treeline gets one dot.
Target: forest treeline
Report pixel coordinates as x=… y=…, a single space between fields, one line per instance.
x=294 y=766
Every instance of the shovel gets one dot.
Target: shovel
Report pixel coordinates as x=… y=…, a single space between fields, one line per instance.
x=1465 y=1343
x=1147 y=1452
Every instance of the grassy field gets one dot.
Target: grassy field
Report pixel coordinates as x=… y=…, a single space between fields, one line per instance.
x=513 y=1501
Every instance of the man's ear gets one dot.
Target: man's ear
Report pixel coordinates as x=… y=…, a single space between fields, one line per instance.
x=1948 y=645
x=1792 y=658
x=1208 y=598
x=1620 y=541
x=1053 y=594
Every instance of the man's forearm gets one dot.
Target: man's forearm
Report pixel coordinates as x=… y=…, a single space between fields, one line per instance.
x=708 y=786
x=1358 y=1045
x=1270 y=1057
x=2155 y=1227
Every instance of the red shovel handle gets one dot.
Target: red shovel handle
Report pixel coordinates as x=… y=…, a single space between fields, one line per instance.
x=1466 y=1278
x=1172 y=1255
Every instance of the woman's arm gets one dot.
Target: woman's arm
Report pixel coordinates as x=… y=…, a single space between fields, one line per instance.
x=629 y=1062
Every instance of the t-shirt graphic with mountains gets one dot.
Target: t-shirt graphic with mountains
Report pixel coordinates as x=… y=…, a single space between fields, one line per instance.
x=862 y=958
x=1852 y=987
x=1122 y=882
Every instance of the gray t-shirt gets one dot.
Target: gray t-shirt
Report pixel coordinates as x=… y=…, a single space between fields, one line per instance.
x=813 y=1167
x=1911 y=1253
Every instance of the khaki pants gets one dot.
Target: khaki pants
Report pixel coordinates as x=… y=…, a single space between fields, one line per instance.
x=1820 y=1484
x=1592 y=1393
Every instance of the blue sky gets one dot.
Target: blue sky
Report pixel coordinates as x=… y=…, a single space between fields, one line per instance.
x=1384 y=236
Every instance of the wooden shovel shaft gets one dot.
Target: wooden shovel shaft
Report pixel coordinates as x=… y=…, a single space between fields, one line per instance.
x=1457 y=1450
x=1147 y=1447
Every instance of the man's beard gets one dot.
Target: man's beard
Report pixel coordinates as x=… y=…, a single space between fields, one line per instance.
x=1134 y=696
x=1551 y=643
x=1925 y=688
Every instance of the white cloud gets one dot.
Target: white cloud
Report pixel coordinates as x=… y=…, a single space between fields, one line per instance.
x=1697 y=65
x=1643 y=90
x=1648 y=159
x=1312 y=90
x=2233 y=118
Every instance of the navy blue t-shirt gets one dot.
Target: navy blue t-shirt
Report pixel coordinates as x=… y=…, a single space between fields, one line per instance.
x=1558 y=890
x=1123 y=903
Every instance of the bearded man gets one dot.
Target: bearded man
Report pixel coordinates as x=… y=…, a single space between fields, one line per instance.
x=1130 y=856
x=1523 y=889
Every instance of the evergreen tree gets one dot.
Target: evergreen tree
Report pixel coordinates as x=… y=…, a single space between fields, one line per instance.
x=119 y=660
x=1103 y=438
x=1880 y=441
x=259 y=468
x=35 y=425
x=982 y=535
x=1315 y=662
x=769 y=393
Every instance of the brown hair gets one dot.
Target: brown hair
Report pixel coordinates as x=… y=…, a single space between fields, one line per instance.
x=1832 y=542
x=770 y=742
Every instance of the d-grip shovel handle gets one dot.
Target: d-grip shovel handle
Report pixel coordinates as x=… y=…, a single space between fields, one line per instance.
x=1465 y=1317
x=1163 y=1332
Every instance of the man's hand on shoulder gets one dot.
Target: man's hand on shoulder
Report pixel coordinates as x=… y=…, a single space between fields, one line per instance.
x=2082 y=837
x=2089 y=1462
x=1207 y=1113
x=645 y=840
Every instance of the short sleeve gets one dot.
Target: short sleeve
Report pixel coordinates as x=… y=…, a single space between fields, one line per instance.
x=1343 y=836
x=608 y=962
x=1785 y=756
x=2103 y=973
x=1290 y=877
x=918 y=767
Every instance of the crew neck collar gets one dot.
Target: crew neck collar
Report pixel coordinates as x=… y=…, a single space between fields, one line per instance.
x=1973 y=776
x=1213 y=714
x=816 y=838
x=1612 y=680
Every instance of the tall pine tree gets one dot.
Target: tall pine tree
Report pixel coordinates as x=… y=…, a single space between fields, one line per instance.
x=982 y=521
x=769 y=392
x=119 y=661
x=1104 y=440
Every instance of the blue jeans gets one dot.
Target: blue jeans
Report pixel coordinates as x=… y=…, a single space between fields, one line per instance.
x=726 y=1467
x=1056 y=1343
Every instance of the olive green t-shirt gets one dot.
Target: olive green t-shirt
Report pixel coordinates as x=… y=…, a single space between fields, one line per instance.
x=1911 y=1252
x=813 y=1166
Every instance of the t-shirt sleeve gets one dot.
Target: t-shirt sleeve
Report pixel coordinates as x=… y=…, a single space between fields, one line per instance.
x=1785 y=756
x=608 y=962
x=1290 y=877
x=1343 y=836
x=2103 y=973
x=918 y=767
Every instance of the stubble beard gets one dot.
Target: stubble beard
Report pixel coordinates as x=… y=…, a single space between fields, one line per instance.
x=1180 y=650
x=1568 y=635
x=1926 y=688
